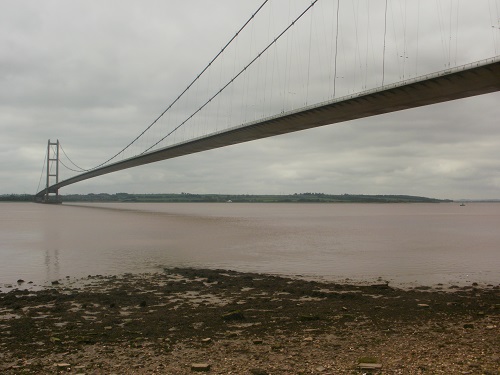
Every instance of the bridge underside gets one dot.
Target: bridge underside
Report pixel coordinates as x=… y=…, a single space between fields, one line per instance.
x=457 y=83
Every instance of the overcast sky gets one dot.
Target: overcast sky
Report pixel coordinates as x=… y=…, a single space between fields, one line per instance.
x=94 y=74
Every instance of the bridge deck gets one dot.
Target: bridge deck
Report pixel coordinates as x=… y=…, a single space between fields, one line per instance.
x=469 y=80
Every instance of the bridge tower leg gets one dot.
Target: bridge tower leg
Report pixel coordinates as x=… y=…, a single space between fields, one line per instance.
x=52 y=195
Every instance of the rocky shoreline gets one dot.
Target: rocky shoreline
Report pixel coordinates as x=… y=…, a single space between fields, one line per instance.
x=183 y=321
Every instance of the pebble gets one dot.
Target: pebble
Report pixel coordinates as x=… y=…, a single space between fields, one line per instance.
x=469 y=325
x=62 y=365
x=200 y=367
x=369 y=366
x=233 y=315
x=258 y=371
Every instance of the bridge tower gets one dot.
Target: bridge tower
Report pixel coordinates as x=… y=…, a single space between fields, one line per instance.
x=52 y=195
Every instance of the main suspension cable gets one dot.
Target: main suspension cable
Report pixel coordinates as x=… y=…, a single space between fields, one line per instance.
x=186 y=89
x=71 y=169
x=235 y=77
x=71 y=161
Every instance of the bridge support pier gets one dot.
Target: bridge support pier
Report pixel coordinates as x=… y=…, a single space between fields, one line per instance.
x=51 y=195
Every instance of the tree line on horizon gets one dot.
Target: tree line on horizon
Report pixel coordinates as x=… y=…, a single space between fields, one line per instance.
x=237 y=198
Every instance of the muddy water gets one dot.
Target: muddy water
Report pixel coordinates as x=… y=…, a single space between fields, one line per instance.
x=404 y=243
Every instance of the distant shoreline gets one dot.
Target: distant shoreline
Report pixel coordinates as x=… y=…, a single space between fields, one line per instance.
x=233 y=198
x=243 y=198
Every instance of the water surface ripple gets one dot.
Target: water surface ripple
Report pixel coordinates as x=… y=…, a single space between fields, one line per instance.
x=422 y=244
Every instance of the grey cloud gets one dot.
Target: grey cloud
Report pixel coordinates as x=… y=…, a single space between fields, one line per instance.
x=95 y=74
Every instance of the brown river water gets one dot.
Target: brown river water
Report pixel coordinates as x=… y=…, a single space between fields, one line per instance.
x=406 y=244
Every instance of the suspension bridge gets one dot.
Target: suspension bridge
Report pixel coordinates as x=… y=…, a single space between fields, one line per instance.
x=321 y=64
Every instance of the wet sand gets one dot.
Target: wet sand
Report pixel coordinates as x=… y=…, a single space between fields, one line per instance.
x=183 y=321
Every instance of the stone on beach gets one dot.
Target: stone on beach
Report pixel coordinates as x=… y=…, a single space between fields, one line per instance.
x=369 y=366
x=233 y=315
x=62 y=365
x=258 y=371
x=200 y=367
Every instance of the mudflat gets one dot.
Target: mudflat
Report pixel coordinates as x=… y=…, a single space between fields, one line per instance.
x=183 y=321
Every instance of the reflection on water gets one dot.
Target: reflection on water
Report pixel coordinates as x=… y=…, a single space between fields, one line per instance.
x=51 y=247
x=404 y=243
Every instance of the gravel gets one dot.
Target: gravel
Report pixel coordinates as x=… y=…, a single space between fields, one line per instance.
x=183 y=321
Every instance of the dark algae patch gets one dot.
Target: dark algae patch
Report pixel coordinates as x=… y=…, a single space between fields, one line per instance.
x=242 y=323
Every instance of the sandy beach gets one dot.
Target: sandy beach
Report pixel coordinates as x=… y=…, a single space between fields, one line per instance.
x=184 y=321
